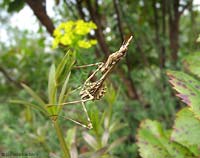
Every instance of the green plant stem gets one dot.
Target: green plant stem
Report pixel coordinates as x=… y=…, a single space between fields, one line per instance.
x=61 y=140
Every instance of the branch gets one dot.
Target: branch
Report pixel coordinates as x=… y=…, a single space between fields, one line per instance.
x=98 y=32
x=163 y=53
x=79 y=8
x=116 y=2
x=5 y=73
x=95 y=19
x=39 y=9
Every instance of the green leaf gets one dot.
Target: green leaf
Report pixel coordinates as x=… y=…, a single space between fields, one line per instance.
x=34 y=95
x=52 y=86
x=71 y=136
x=116 y=125
x=71 y=141
x=149 y=145
x=153 y=142
x=63 y=90
x=188 y=89
x=116 y=143
x=192 y=63
x=186 y=130
x=95 y=118
x=105 y=137
x=92 y=142
x=65 y=66
x=25 y=103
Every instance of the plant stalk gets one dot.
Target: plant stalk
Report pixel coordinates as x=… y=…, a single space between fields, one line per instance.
x=61 y=140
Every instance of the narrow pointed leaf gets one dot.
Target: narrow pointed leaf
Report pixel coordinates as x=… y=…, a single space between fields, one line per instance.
x=71 y=142
x=105 y=137
x=52 y=86
x=71 y=135
x=116 y=143
x=25 y=103
x=90 y=140
x=65 y=66
x=63 y=90
x=34 y=95
x=94 y=116
x=116 y=125
x=73 y=151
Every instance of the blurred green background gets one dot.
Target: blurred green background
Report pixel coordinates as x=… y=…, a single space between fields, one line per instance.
x=164 y=31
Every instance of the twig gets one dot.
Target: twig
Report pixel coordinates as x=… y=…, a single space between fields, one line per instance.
x=39 y=9
x=5 y=73
x=116 y=3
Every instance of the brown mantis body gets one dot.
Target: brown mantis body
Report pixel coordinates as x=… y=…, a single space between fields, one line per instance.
x=96 y=90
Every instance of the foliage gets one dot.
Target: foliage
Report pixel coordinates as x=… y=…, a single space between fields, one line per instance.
x=54 y=105
x=25 y=57
x=98 y=139
x=103 y=128
x=183 y=139
x=55 y=78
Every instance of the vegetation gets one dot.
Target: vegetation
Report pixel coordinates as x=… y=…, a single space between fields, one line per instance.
x=183 y=139
x=43 y=71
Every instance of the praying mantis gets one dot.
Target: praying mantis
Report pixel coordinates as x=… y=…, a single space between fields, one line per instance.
x=92 y=91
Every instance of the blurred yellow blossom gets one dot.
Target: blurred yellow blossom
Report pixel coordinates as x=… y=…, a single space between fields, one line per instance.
x=93 y=42
x=84 y=44
x=73 y=34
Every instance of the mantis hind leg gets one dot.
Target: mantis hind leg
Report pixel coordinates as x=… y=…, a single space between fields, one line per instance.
x=89 y=125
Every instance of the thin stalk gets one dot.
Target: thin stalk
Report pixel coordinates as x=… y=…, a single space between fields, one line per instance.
x=61 y=140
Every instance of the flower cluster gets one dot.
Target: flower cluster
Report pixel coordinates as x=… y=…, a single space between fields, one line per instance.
x=73 y=34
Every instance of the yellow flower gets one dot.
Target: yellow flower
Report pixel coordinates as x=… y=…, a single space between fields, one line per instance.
x=65 y=40
x=93 y=42
x=84 y=44
x=56 y=33
x=92 y=25
x=72 y=33
x=55 y=43
x=83 y=28
x=69 y=26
